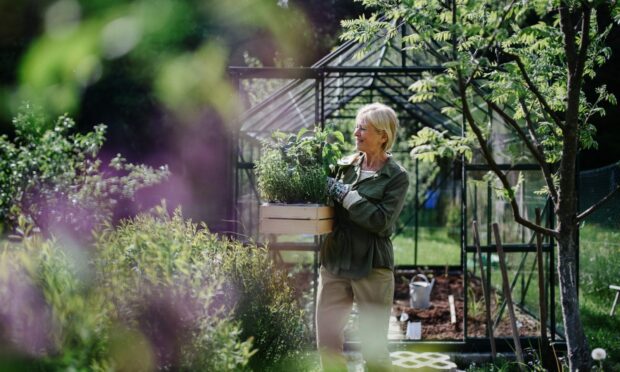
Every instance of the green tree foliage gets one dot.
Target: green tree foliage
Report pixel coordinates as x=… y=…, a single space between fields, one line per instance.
x=174 y=52
x=293 y=168
x=527 y=62
x=52 y=176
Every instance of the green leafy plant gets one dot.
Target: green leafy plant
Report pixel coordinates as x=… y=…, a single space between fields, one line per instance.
x=53 y=177
x=475 y=305
x=149 y=297
x=163 y=275
x=52 y=318
x=293 y=167
x=429 y=144
x=216 y=278
x=267 y=308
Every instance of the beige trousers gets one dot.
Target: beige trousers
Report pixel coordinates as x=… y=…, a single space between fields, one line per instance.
x=374 y=295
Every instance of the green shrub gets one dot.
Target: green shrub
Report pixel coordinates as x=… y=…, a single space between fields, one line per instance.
x=50 y=313
x=163 y=275
x=266 y=307
x=146 y=299
x=158 y=292
x=293 y=168
x=53 y=176
x=148 y=253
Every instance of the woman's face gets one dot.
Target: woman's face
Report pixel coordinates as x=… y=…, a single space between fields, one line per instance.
x=368 y=139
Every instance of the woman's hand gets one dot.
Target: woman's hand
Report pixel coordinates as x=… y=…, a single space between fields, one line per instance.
x=336 y=189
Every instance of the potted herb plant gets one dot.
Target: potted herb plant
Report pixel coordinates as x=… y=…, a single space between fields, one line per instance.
x=292 y=173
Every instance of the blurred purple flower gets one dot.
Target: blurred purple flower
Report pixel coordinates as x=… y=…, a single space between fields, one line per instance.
x=25 y=317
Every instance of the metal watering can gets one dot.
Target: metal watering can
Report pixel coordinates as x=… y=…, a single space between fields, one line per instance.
x=420 y=292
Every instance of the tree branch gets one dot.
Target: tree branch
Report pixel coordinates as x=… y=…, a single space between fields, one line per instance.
x=581 y=216
x=566 y=24
x=532 y=145
x=544 y=166
x=534 y=89
x=494 y=167
x=585 y=40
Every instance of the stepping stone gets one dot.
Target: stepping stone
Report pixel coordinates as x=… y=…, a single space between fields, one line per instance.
x=394 y=331
x=408 y=360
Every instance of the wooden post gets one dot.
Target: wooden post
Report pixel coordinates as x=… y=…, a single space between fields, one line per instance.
x=541 y=283
x=508 y=296
x=547 y=356
x=485 y=294
x=452 y=309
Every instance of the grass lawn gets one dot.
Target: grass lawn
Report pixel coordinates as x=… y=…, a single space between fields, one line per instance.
x=435 y=247
x=599 y=267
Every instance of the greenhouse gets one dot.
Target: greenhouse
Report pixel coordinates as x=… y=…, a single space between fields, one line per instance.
x=434 y=235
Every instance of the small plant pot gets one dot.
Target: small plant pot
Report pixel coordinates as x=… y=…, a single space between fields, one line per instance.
x=277 y=218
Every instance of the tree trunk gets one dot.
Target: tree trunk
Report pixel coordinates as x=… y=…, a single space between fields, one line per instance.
x=568 y=250
x=578 y=350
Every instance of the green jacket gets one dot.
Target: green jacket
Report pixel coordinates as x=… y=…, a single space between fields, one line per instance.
x=361 y=239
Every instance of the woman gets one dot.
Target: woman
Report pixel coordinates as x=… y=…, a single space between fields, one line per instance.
x=357 y=260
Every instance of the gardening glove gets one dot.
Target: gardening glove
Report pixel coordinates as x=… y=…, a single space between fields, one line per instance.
x=336 y=189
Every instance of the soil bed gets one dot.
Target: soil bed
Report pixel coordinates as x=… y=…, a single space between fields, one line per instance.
x=435 y=320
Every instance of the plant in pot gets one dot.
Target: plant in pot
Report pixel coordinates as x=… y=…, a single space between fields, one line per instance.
x=292 y=174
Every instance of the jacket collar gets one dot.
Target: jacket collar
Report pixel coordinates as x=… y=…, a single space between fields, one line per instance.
x=390 y=168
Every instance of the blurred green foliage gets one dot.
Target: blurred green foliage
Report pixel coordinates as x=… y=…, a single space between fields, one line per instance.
x=50 y=314
x=149 y=252
x=155 y=72
x=163 y=275
x=178 y=50
x=158 y=292
x=52 y=176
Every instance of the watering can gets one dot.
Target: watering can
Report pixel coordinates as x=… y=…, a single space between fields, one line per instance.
x=420 y=291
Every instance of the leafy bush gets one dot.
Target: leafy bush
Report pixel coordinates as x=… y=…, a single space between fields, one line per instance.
x=153 y=252
x=49 y=312
x=163 y=275
x=266 y=306
x=158 y=292
x=293 y=168
x=148 y=299
x=53 y=177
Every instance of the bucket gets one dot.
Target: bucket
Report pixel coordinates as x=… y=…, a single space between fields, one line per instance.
x=420 y=292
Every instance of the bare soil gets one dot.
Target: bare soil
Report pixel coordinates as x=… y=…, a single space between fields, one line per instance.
x=436 y=320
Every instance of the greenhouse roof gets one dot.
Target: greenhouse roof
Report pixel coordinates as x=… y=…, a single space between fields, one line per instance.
x=350 y=76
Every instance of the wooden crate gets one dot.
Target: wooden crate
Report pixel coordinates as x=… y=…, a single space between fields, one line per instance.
x=292 y=219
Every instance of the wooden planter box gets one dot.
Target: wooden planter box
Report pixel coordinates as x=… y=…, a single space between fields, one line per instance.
x=316 y=219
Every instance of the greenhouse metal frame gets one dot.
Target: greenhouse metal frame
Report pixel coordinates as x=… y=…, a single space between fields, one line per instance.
x=383 y=69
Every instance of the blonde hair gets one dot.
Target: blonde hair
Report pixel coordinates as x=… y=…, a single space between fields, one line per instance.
x=382 y=118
